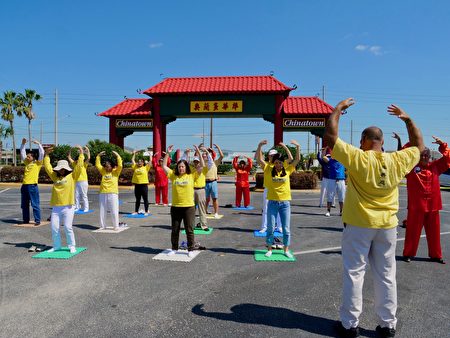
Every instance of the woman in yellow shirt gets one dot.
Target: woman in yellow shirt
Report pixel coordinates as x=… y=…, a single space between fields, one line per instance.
x=62 y=199
x=183 y=206
x=140 y=181
x=81 y=186
x=109 y=189
x=276 y=177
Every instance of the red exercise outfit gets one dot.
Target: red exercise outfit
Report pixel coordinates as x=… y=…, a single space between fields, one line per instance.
x=161 y=182
x=424 y=203
x=242 y=185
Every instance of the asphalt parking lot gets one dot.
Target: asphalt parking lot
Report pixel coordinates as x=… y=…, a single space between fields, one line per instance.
x=116 y=289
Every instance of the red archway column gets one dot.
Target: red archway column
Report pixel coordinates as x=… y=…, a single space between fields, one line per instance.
x=157 y=127
x=278 y=122
x=112 y=132
x=163 y=136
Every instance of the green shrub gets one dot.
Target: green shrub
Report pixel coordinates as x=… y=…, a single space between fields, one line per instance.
x=224 y=168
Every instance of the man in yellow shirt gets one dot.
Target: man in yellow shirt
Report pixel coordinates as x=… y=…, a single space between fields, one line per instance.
x=29 y=190
x=369 y=217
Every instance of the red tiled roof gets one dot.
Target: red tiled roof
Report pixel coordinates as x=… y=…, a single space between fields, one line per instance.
x=130 y=107
x=219 y=85
x=300 y=105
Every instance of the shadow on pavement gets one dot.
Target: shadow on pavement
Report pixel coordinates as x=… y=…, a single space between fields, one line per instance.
x=11 y=221
x=235 y=229
x=272 y=316
x=140 y=249
x=232 y=251
x=167 y=227
x=85 y=226
x=324 y=228
x=25 y=245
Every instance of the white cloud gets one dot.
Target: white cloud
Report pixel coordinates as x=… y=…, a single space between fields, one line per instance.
x=156 y=45
x=375 y=50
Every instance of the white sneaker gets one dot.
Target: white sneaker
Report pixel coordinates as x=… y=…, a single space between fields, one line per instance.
x=171 y=252
x=327 y=214
x=288 y=254
x=145 y=214
x=134 y=213
x=85 y=210
x=280 y=230
x=53 y=249
x=262 y=231
x=73 y=250
x=268 y=253
x=216 y=216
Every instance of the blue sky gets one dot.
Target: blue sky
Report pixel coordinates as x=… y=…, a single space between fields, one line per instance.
x=97 y=52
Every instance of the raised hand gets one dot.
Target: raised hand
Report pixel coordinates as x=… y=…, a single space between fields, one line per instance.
x=295 y=143
x=170 y=148
x=24 y=141
x=437 y=140
x=263 y=142
x=48 y=150
x=35 y=142
x=395 y=135
x=102 y=153
x=344 y=104
x=397 y=111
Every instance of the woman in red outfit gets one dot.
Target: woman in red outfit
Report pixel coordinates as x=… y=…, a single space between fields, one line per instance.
x=242 y=185
x=424 y=203
x=161 y=180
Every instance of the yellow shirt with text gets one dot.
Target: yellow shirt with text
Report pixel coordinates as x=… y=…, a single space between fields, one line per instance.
x=371 y=200
x=182 y=189
x=140 y=174
x=110 y=180
x=31 y=174
x=278 y=187
x=199 y=178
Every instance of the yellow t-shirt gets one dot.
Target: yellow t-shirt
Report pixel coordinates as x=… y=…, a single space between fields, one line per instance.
x=63 y=187
x=83 y=172
x=110 y=180
x=182 y=189
x=278 y=188
x=371 y=200
x=140 y=174
x=31 y=174
x=199 y=178
x=211 y=173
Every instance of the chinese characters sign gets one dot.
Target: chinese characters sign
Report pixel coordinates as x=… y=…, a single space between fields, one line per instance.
x=304 y=123
x=216 y=106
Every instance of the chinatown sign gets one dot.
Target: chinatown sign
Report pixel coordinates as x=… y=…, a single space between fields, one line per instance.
x=234 y=106
x=134 y=123
x=304 y=123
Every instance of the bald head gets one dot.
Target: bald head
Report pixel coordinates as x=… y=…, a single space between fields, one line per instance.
x=372 y=139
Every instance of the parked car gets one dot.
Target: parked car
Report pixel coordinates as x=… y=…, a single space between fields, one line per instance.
x=444 y=179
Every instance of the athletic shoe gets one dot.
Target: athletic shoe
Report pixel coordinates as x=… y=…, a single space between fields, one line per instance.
x=280 y=230
x=216 y=216
x=437 y=260
x=145 y=213
x=268 y=253
x=53 y=249
x=32 y=248
x=73 y=250
x=85 y=210
x=190 y=254
x=171 y=252
x=262 y=231
x=288 y=254
x=37 y=223
x=385 y=332
x=407 y=259
x=352 y=332
x=327 y=214
x=134 y=213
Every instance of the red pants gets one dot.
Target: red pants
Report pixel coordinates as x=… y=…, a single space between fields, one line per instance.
x=239 y=192
x=164 y=191
x=432 y=223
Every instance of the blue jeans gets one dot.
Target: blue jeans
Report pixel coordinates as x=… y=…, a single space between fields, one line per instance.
x=30 y=193
x=284 y=209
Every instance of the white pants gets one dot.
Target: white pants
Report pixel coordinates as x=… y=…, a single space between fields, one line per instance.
x=81 y=189
x=376 y=247
x=109 y=202
x=334 y=186
x=264 y=214
x=323 y=191
x=62 y=215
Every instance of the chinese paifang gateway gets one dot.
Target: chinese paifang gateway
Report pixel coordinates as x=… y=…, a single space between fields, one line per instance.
x=134 y=124
x=319 y=123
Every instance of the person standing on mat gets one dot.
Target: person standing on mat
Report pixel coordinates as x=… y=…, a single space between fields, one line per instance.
x=29 y=191
x=424 y=203
x=242 y=184
x=62 y=199
x=81 y=187
x=140 y=181
x=161 y=181
x=263 y=229
x=212 y=191
x=109 y=189
x=183 y=206
x=335 y=183
x=278 y=193
x=370 y=217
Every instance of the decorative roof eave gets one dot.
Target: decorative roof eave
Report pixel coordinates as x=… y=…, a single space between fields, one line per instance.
x=219 y=85
x=130 y=108
x=306 y=105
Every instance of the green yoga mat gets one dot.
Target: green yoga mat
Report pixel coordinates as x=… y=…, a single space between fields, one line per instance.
x=200 y=231
x=277 y=256
x=63 y=253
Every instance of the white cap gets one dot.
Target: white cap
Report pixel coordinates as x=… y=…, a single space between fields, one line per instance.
x=196 y=159
x=273 y=152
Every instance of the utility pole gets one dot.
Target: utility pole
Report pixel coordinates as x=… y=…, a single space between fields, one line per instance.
x=323 y=92
x=56 y=117
x=211 y=131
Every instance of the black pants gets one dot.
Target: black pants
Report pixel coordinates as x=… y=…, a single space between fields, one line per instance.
x=141 y=190
x=187 y=215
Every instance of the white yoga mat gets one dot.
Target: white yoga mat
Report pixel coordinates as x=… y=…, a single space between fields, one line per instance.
x=110 y=230
x=179 y=256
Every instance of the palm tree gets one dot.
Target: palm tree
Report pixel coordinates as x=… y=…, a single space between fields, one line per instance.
x=5 y=132
x=26 y=107
x=8 y=104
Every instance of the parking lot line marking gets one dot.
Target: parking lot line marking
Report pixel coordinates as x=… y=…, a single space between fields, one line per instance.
x=339 y=248
x=4 y=190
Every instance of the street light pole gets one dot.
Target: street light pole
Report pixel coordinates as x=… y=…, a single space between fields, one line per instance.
x=56 y=117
